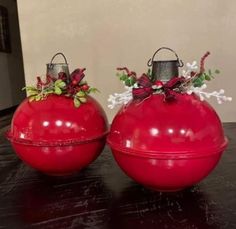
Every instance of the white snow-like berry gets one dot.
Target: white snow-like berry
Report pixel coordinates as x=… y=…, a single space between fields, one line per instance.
x=219 y=95
x=190 y=68
x=120 y=98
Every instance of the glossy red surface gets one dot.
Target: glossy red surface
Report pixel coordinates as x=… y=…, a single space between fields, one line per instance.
x=167 y=145
x=53 y=136
x=59 y=160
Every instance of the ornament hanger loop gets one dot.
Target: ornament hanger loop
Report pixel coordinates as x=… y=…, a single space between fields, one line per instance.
x=59 y=53
x=180 y=62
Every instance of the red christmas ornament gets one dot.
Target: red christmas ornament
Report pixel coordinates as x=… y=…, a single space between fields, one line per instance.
x=167 y=146
x=56 y=137
x=167 y=140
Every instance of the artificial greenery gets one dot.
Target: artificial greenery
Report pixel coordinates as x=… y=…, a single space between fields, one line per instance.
x=203 y=77
x=74 y=88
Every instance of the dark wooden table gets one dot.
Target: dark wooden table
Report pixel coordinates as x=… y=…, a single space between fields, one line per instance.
x=102 y=196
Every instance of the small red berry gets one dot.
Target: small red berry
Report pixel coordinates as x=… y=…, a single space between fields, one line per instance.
x=158 y=83
x=192 y=74
x=74 y=82
x=85 y=87
x=78 y=88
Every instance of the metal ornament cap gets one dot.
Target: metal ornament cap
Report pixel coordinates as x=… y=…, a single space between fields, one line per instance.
x=165 y=70
x=53 y=69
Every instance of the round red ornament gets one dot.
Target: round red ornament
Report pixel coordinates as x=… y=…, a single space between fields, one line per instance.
x=166 y=140
x=56 y=137
x=175 y=147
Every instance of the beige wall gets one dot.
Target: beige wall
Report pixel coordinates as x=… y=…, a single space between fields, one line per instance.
x=104 y=34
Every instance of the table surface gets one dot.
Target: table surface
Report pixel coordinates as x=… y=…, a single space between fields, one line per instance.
x=102 y=196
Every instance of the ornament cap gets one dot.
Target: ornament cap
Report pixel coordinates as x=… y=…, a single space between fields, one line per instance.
x=53 y=69
x=165 y=70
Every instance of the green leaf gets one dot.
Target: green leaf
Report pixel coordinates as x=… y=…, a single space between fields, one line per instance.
x=202 y=77
x=31 y=98
x=80 y=94
x=62 y=84
x=37 y=97
x=149 y=73
x=123 y=77
x=57 y=90
x=198 y=82
x=217 y=71
x=93 y=90
x=29 y=88
x=127 y=82
x=50 y=91
x=82 y=99
x=207 y=77
x=30 y=92
x=209 y=72
x=76 y=102
x=132 y=81
x=57 y=82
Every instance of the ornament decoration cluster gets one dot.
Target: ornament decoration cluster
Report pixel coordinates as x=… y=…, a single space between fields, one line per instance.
x=191 y=81
x=74 y=87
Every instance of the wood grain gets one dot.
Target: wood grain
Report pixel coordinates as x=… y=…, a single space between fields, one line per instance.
x=102 y=196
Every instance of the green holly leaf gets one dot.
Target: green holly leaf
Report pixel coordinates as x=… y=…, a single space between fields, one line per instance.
x=80 y=94
x=76 y=102
x=57 y=90
x=82 y=99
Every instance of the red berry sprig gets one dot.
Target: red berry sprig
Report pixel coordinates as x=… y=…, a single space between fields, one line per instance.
x=202 y=62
